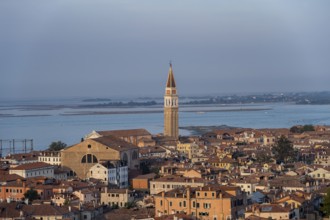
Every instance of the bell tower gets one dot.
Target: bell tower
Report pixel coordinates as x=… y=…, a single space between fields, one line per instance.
x=171 y=107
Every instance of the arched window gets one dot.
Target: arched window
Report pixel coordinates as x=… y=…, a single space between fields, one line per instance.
x=134 y=155
x=89 y=158
x=125 y=157
x=72 y=173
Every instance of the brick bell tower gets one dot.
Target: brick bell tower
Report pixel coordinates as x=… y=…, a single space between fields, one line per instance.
x=171 y=107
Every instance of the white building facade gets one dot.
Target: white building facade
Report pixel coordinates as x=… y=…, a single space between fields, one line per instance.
x=33 y=170
x=50 y=157
x=111 y=172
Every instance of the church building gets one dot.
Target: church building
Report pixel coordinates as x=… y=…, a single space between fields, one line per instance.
x=80 y=157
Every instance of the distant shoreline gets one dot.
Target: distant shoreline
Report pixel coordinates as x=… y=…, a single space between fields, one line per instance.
x=200 y=130
x=158 y=111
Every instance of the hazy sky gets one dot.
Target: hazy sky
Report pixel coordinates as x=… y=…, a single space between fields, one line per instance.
x=104 y=48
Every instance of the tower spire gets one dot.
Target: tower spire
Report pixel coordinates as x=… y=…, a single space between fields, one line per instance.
x=170 y=79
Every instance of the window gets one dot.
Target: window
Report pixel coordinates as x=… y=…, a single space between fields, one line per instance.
x=125 y=157
x=134 y=155
x=89 y=158
x=170 y=203
x=89 y=146
x=161 y=202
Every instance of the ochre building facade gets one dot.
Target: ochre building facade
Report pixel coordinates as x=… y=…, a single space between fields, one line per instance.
x=81 y=157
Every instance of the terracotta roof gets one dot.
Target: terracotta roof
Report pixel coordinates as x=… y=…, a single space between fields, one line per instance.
x=125 y=133
x=121 y=191
x=14 y=209
x=254 y=217
x=127 y=214
x=146 y=150
x=9 y=177
x=31 y=166
x=23 y=156
x=227 y=160
x=291 y=197
x=146 y=176
x=45 y=210
x=179 y=179
x=115 y=143
x=9 y=210
x=180 y=216
x=271 y=208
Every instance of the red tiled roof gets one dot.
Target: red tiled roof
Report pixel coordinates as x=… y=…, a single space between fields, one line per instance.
x=125 y=133
x=115 y=143
x=31 y=166
x=9 y=177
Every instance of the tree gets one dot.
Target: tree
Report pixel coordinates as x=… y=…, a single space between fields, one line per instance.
x=301 y=129
x=238 y=154
x=263 y=157
x=284 y=151
x=31 y=194
x=326 y=204
x=295 y=129
x=308 y=128
x=56 y=146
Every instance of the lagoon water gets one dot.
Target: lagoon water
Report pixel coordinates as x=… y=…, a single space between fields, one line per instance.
x=49 y=121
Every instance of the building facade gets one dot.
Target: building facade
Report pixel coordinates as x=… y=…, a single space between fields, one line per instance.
x=203 y=203
x=111 y=172
x=81 y=157
x=170 y=182
x=117 y=197
x=50 y=157
x=171 y=107
x=33 y=170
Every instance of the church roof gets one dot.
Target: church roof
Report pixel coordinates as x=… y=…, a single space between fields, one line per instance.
x=170 y=79
x=124 y=133
x=115 y=143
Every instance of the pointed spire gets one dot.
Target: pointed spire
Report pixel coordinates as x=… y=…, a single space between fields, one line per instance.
x=170 y=79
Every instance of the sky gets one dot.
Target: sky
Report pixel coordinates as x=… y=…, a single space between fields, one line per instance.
x=105 y=48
